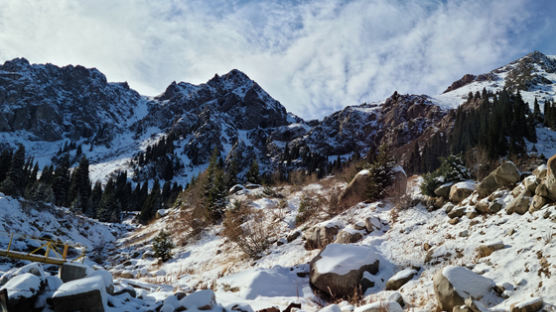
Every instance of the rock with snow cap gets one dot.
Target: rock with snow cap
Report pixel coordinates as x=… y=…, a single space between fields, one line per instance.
x=337 y=270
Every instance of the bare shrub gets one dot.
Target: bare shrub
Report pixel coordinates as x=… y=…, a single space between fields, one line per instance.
x=247 y=228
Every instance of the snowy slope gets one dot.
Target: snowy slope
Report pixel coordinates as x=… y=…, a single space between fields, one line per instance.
x=538 y=72
x=412 y=238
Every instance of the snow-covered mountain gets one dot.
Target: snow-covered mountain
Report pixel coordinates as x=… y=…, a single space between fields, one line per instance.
x=534 y=75
x=55 y=110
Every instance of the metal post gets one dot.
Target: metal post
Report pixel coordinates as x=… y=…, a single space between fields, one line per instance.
x=47 y=250
x=65 y=252
x=10 y=244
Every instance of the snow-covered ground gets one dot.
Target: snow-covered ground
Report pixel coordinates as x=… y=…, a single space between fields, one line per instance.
x=410 y=238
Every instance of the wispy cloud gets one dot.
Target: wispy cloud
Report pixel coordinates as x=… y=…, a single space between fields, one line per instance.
x=313 y=56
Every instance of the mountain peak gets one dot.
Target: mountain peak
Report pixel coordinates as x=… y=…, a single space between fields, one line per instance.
x=15 y=64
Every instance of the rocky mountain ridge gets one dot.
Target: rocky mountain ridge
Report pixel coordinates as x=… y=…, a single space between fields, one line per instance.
x=46 y=107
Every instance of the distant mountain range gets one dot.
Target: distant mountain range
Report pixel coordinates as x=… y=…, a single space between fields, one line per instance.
x=55 y=110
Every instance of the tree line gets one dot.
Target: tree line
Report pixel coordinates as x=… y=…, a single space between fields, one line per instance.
x=67 y=187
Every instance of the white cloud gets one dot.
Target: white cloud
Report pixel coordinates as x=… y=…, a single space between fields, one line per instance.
x=313 y=56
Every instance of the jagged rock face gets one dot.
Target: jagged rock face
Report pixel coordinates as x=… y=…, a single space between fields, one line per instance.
x=72 y=101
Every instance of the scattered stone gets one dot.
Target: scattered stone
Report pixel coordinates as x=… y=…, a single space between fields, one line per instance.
x=457 y=212
x=455 y=283
x=532 y=305
x=461 y=190
x=391 y=306
x=448 y=207
x=400 y=278
x=537 y=203
x=540 y=172
x=293 y=236
x=373 y=224
x=348 y=236
x=443 y=190
x=505 y=175
x=464 y=233
x=321 y=235
x=530 y=183
x=487 y=250
x=494 y=207
x=550 y=179
x=236 y=188
x=520 y=204
x=453 y=221
x=541 y=190
x=472 y=214
x=337 y=270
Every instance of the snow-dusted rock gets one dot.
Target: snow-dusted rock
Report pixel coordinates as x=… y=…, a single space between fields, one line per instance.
x=399 y=183
x=390 y=306
x=531 y=305
x=337 y=269
x=400 y=278
x=23 y=290
x=505 y=175
x=356 y=190
x=537 y=203
x=443 y=190
x=461 y=190
x=519 y=205
x=454 y=284
x=321 y=234
x=80 y=294
x=348 y=235
x=540 y=172
x=550 y=180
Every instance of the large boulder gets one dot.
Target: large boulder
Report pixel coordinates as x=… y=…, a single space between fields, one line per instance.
x=321 y=234
x=461 y=190
x=356 y=190
x=23 y=291
x=338 y=269
x=505 y=175
x=550 y=180
x=85 y=295
x=454 y=284
x=399 y=183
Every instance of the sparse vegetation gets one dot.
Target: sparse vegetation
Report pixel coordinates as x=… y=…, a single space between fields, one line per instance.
x=248 y=228
x=452 y=169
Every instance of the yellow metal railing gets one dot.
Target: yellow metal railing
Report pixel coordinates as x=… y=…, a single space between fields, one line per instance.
x=50 y=246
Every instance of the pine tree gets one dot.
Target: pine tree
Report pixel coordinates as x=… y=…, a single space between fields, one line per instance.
x=252 y=175
x=5 y=163
x=109 y=207
x=16 y=179
x=61 y=182
x=162 y=246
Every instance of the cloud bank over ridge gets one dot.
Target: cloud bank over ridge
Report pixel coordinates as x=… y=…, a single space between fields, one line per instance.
x=313 y=56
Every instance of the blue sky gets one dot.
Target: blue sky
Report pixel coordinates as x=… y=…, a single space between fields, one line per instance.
x=315 y=57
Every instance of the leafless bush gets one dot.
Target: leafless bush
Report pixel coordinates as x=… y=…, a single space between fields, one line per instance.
x=248 y=228
x=309 y=206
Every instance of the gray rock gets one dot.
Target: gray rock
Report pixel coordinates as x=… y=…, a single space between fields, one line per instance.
x=343 y=283
x=443 y=190
x=537 y=203
x=320 y=235
x=519 y=205
x=460 y=191
x=400 y=278
x=348 y=236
